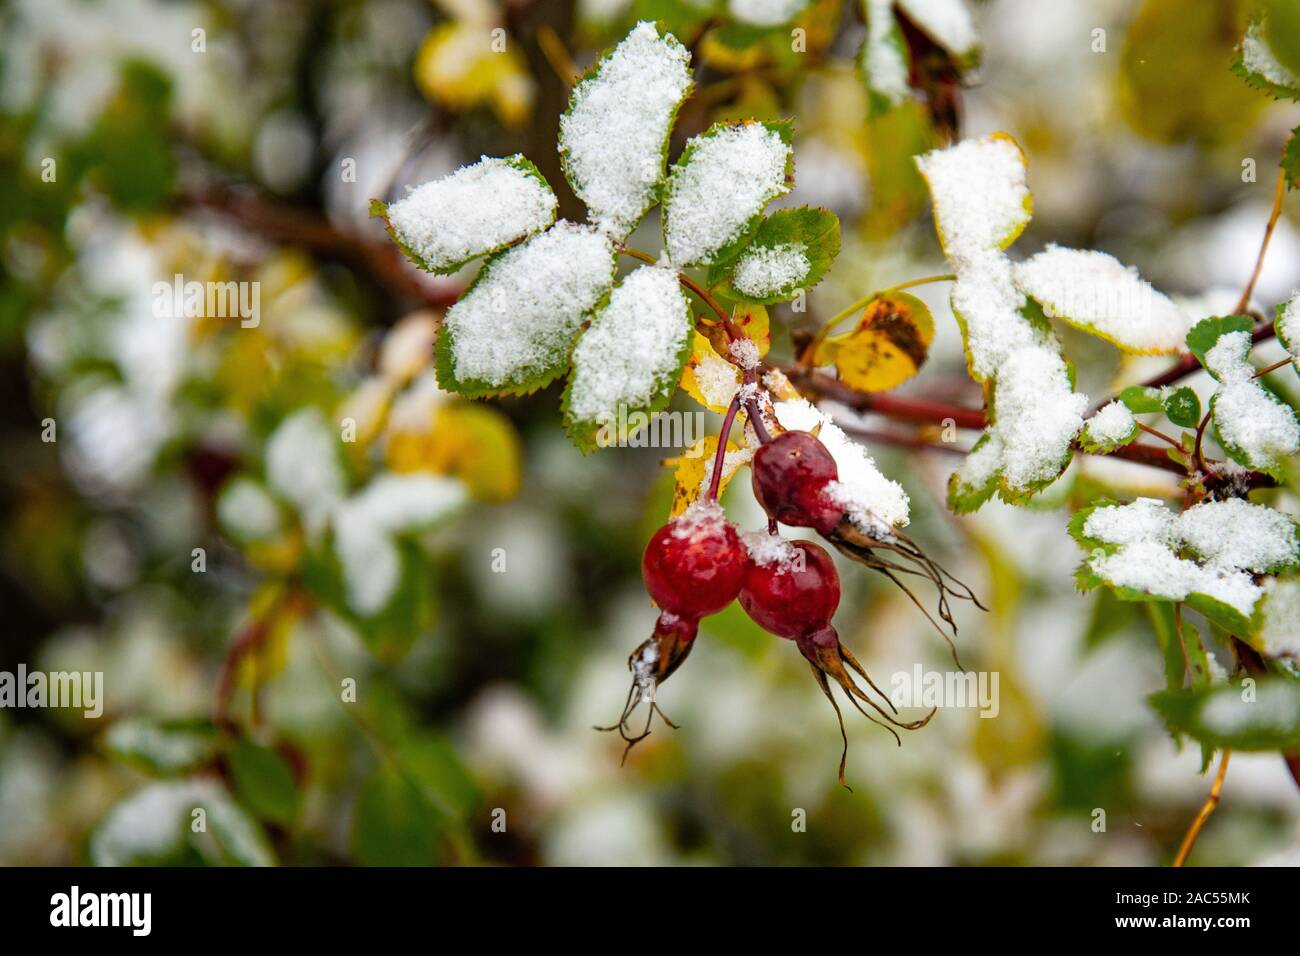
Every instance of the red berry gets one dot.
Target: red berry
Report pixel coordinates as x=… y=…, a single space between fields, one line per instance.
x=791 y=473
x=794 y=596
x=694 y=564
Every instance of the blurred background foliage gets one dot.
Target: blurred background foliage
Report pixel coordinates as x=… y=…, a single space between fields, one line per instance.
x=424 y=691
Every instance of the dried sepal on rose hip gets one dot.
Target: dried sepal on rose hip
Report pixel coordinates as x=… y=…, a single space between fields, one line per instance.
x=693 y=566
x=792 y=589
x=796 y=480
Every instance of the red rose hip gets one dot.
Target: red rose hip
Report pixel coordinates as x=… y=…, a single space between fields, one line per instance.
x=694 y=564
x=792 y=594
x=790 y=474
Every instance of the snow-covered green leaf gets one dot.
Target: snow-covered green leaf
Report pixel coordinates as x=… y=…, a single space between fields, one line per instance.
x=475 y=211
x=884 y=61
x=789 y=253
x=247 y=512
x=1253 y=425
x=1257 y=64
x=514 y=327
x=163 y=748
x=1182 y=406
x=765 y=13
x=627 y=365
x=717 y=189
x=948 y=23
x=614 y=136
x=1097 y=293
x=1205 y=334
x=304 y=468
x=981 y=196
x=1287 y=326
x=1276 y=627
x=1264 y=718
x=1110 y=427
x=1142 y=399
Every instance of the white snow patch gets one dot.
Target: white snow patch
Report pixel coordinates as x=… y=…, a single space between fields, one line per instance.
x=731 y=174
x=947 y=22
x=768 y=550
x=883 y=59
x=988 y=302
x=763 y=272
x=1240 y=535
x=1246 y=415
x=765 y=13
x=1097 y=292
x=1288 y=325
x=613 y=136
x=521 y=316
x=246 y=511
x=365 y=524
x=1258 y=58
x=303 y=467
x=1112 y=424
x=1038 y=415
x=745 y=352
x=980 y=192
x=1279 y=633
x=475 y=210
x=632 y=347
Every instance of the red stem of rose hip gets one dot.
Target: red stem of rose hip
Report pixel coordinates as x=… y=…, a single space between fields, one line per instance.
x=720 y=455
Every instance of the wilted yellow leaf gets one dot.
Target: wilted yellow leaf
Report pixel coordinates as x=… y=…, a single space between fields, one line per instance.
x=753 y=320
x=474 y=443
x=694 y=467
x=709 y=378
x=886 y=347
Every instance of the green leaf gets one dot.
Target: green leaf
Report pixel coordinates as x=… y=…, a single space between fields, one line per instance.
x=1183 y=407
x=1291 y=160
x=1097 y=446
x=1257 y=63
x=435 y=767
x=693 y=206
x=161 y=748
x=966 y=496
x=627 y=365
x=1141 y=399
x=1226 y=716
x=394 y=823
x=1206 y=332
x=263 y=782
x=813 y=234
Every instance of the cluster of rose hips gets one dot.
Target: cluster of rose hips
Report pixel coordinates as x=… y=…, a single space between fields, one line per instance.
x=697 y=564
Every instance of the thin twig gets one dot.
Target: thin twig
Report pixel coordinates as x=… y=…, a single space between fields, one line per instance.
x=1278 y=195
x=1211 y=802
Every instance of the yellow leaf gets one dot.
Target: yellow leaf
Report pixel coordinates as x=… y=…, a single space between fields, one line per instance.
x=709 y=378
x=457 y=66
x=885 y=348
x=753 y=320
x=694 y=467
x=475 y=443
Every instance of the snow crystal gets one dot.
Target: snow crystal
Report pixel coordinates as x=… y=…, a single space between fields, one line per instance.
x=716 y=378
x=765 y=13
x=702 y=516
x=1279 y=633
x=981 y=465
x=1112 y=424
x=729 y=176
x=1038 y=415
x=1258 y=58
x=475 y=210
x=1148 y=535
x=988 y=303
x=302 y=466
x=745 y=352
x=947 y=22
x=981 y=198
x=1247 y=416
x=632 y=348
x=883 y=61
x=767 y=550
x=1096 y=291
x=521 y=315
x=764 y=272
x=1240 y=535
x=867 y=495
x=612 y=136
x=1288 y=324
x=364 y=526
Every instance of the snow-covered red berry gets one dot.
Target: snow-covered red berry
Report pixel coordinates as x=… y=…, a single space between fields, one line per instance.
x=793 y=595
x=791 y=475
x=694 y=564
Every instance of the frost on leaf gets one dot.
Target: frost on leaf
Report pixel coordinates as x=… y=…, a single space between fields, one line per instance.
x=1111 y=426
x=870 y=499
x=717 y=189
x=365 y=526
x=631 y=358
x=981 y=196
x=789 y=253
x=765 y=13
x=1207 y=556
x=884 y=60
x=1254 y=427
x=477 y=210
x=513 y=328
x=303 y=467
x=1097 y=293
x=981 y=204
x=1277 y=632
x=1287 y=326
x=614 y=135
x=1258 y=66
x=948 y=23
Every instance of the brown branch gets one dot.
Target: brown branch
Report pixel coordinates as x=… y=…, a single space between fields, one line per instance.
x=284 y=224
x=1278 y=195
x=1188 y=363
x=891 y=406
x=1211 y=802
